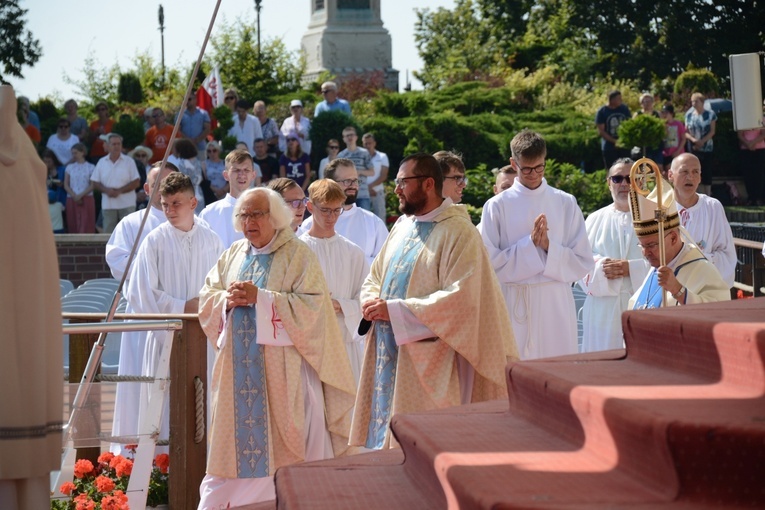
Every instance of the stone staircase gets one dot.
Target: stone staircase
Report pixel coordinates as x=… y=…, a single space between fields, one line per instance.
x=678 y=421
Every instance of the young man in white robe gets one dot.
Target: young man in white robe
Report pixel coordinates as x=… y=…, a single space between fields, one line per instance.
x=342 y=262
x=439 y=334
x=702 y=216
x=685 y=276
x=170 y=270
x=620 y=267
x=538 y=246
x=266 y=308
x=240 y=174
x=358 y=225
x=132 y=344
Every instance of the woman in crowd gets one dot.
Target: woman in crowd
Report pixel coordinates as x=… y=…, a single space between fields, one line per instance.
x=214 y=167
x=294 y=163
x=333 y=147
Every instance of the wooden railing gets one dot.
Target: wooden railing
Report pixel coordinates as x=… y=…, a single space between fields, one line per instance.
x=750 y=271
x=187 y=362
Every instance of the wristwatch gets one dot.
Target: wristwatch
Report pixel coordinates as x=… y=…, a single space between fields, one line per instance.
x=677 y=295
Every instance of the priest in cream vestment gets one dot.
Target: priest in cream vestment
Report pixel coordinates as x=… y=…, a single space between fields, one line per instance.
x=440 y=334
x=282 y=385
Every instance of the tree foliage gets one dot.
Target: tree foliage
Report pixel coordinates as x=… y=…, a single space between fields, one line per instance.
x=274 y=72
x=642 y=40
x=18 y=48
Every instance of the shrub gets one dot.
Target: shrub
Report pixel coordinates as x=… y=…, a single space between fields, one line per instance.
x=129 y=88
x=695 y=80
x=644 y=131
x=131 y=130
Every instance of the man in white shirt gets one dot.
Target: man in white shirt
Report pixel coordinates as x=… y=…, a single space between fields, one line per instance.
x=620 y=267
x=703 y=216
x=116 y=177
x=126 y=400
x=538 y=246
x=376 y=181
x=240 y=174
x=246 y=126
x=342 y=262
x=356 y=224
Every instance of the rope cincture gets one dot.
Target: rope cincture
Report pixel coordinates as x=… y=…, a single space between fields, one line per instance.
x=199 y=407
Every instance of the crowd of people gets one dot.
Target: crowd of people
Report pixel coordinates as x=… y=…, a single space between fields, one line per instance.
x=321 y=328
x=695 y=136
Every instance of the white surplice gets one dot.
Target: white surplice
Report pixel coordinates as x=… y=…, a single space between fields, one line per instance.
x=611 y=236
x=220 y=217
x=537 y=285
x=132 y=344
x=345 y=268
x=169 y=270
x=359 y=226
x=710 y=231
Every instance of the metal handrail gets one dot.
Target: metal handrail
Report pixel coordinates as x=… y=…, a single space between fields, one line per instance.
x=119 y=327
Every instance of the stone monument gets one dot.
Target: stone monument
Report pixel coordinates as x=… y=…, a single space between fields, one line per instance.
x=347 y=38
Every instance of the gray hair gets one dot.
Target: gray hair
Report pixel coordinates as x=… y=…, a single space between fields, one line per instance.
x=280 y=214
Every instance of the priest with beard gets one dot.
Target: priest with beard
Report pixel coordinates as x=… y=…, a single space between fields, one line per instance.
x=282 y=385
x=440 y=334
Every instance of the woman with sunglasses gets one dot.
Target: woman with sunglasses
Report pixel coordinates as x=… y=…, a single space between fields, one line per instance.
x=214 y=167
x=294 y=163
x=333 y=148
x=230 y=98
x=62 y=141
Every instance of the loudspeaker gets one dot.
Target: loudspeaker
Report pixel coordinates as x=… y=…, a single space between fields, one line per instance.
x=746 y=91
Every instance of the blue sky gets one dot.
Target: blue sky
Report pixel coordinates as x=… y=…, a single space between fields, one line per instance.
x=116 y=30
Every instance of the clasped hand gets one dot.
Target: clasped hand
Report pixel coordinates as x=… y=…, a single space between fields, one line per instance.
x=375 y=310
x=539 y=233
x=241 y=294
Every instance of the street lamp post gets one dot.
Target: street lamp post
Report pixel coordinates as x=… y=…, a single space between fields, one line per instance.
x=162 y=35
x=257 y=15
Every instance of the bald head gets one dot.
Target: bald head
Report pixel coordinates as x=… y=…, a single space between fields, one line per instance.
x=685 y=176
x=151 y=178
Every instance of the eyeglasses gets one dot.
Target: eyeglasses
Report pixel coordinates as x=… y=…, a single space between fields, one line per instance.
x=229 y=98
x=155 y=115
x=254 y=215
x=651 y=246
x=617 y=179
x=327 y=91
x=526 y=170
x=326 y=211
x=349 y=182
x=459 y=180
x=297 y=204
x=402 y=181
x=292 y=139
x=210 y=151
x=333 y=147
x=60 y=126
x=101 y=109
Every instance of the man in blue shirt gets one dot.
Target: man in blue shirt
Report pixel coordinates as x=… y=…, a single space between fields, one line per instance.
x=331 y=101
x=195 y=125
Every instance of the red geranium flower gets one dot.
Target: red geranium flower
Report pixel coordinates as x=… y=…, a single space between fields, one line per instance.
x=105 y=458
x=162 y=461
x=104 y=484
x=82 y=468
x=67 y=488
x=124 y=468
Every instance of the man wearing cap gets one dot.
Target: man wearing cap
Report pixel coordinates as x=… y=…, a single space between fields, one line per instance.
x=538 y=247
x=246 y=126
x=299 y=124
x=331 y=102
x=116 y=177
x=619 y=265
x=703 y=216
x=687 y=276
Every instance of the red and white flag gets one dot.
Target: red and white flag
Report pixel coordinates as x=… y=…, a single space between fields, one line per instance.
x=210 y=94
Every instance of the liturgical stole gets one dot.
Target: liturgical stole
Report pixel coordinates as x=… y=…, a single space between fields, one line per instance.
x=394 y=286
